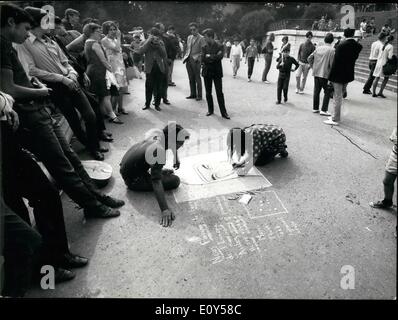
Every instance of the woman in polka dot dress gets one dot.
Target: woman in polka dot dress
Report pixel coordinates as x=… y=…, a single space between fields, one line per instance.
x=255 y=145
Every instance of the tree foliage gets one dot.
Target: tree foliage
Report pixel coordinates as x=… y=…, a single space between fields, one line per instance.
x=255 y=24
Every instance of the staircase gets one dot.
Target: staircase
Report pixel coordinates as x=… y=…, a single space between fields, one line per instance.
x=362 y=64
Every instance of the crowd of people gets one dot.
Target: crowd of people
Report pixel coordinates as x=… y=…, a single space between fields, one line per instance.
x=81 y=72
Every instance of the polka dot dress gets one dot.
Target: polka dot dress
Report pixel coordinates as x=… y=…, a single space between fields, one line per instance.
x=267 y=138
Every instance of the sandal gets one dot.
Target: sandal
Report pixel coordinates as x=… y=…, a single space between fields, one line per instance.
x=116 y=120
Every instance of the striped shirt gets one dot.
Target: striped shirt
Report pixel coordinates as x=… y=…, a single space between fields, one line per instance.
x=46 y=60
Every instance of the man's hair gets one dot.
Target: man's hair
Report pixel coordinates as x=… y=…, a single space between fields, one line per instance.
x=349 y=33
x=382 y=36
x=86 y=21
x=286 y=49
x=171 y=27
x=136 y=36
x=252 y=39
x=37 y=15
x=329 y=38
x=58 y=20
x=70 y=12
x=90 y=28
x=209 y=32
x=285 y=38
x=158 y=25
x=193 y=24
x=272 y=36
x=155 y=32
x=106 y=26
x=174 y=127
x=19 y=15
x=309 y=34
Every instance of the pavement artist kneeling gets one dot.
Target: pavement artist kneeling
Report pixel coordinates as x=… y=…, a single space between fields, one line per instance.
x=151 y=154
x=255 y=145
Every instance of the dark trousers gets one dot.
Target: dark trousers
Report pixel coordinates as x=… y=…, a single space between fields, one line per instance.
x=319 y=84
x=283 y=85
x=195 y=82
x=42 y=135
x=250 y=64
x=388 y=182
x=267 y=66
x=23 y=178
x=68 y=101
x=153 y=85
x=144 y=183
x=164 y=84
x=220 y=95
x=92 y=99
x=22 y=247
x=369 y=82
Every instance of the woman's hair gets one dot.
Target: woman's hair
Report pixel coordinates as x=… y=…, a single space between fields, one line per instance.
x=106 y=26
x=236 y=141
x=90 y=28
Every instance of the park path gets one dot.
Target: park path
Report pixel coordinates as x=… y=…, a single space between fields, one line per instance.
x=216 y=248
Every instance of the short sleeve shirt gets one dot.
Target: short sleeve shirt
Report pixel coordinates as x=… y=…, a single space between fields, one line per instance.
x=137 y=161
x=9 y=60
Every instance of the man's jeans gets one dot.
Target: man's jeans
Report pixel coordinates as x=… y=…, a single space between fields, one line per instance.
x=338 y=100
x=195 y=81
x=171 y=68
x=319 y=84
x=235 y=64
x=303 y=69
x=369 y=82
x=42 y=135
x=267 y=66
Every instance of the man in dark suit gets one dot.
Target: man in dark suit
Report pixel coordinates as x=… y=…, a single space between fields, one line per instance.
x=155 y=67
x=165 y=38
x=195 y=42
x=212 y=54
x=342 y=71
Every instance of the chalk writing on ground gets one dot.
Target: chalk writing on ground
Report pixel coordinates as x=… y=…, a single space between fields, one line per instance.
x=231 y=230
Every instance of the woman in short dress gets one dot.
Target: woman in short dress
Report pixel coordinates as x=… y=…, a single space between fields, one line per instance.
x=255 y=145
x=113 y=49
x=97 y=66
x=384 y=55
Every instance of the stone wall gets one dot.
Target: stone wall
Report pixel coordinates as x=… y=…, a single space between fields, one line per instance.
x=296 y=37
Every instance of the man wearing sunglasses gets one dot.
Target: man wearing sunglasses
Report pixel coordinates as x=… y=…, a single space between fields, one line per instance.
x=195 y=42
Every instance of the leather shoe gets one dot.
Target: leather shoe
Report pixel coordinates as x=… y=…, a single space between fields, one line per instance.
x=70 y=261
x=209 y=114
x=103 y=149
x=226 y=116
x=97 y=155
x=158 y=108
x=198 y=99
x=166 y=102
x=367 y=92
x=146 y=107
x=191 y=97
x=63 y=275
x=101 y=211
x=111 y=202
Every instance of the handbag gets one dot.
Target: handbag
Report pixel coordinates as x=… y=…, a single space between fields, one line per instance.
x=391 y=66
